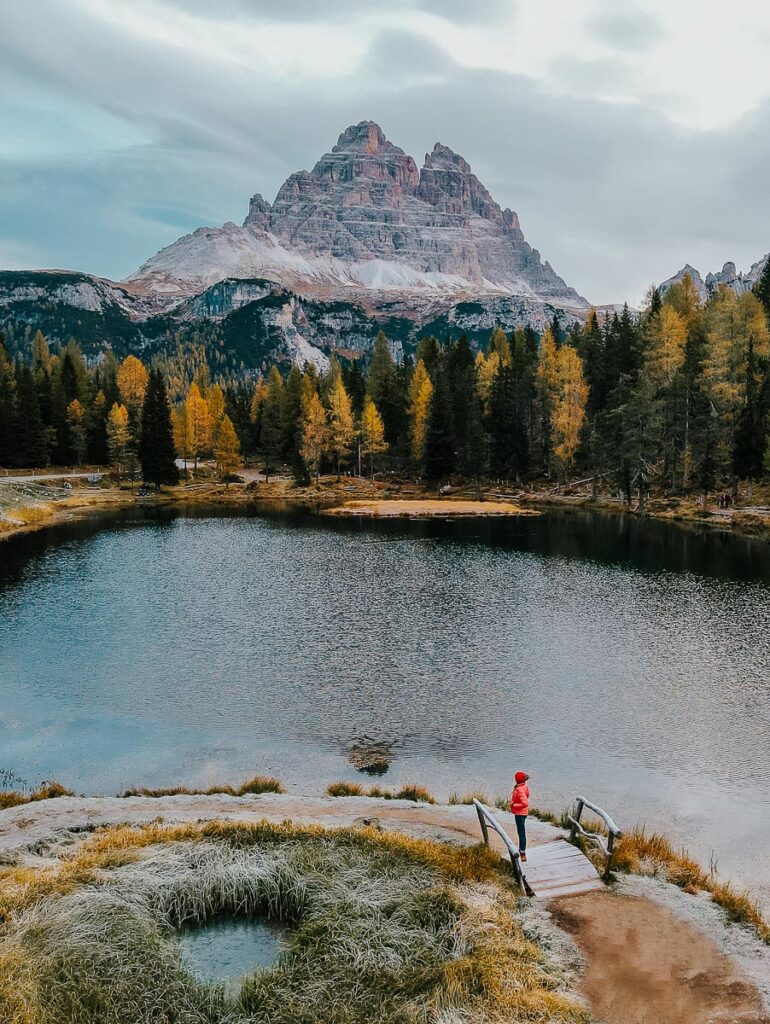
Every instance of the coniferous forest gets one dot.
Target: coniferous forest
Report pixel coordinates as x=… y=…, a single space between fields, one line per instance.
x=675 y=399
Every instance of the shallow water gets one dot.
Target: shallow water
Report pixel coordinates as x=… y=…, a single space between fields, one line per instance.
x=229 y=948
x=627 y=661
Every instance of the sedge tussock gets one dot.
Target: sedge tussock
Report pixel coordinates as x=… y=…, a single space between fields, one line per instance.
x=382 y=932
x=468 y=798
x=258 y=784
x=650 y=853
x=410 y=791
x=47 y=791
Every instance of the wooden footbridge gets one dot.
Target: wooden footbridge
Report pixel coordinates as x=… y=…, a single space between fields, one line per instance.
x=557 y=867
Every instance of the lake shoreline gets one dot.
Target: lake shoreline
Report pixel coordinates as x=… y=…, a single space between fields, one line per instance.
x=364 y=500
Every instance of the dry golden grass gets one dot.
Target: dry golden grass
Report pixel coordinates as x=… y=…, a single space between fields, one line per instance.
x=648 y=853
x=47 y=791
x=410 y=791
x=259 y=784
x=468 y=798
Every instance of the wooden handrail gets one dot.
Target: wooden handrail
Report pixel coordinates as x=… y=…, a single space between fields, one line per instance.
x=487 y=820
x=613 y=832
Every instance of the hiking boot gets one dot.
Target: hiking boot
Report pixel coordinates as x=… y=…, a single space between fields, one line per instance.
x=523 y=857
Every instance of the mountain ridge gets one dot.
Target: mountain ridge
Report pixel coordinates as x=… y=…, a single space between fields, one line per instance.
x=365 y=222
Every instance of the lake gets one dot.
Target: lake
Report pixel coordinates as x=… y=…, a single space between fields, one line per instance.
x=628 y=661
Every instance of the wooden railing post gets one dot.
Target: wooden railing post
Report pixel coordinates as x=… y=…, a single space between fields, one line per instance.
x=610 y=850
x=573 y=827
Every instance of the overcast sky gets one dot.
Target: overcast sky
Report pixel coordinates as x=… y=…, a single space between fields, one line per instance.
x=629 y=137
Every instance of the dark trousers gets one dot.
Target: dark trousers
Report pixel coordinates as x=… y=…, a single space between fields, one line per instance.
x=521 y=828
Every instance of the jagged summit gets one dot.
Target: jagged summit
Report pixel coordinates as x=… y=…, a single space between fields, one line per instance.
x=728 y=275
x=367 y=222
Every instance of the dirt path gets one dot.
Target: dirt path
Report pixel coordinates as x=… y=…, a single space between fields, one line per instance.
x=646 y=966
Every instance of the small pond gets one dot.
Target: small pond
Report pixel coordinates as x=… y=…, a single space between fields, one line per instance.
x=228 y=948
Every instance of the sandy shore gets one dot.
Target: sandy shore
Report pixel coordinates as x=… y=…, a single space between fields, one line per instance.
x=422 y=508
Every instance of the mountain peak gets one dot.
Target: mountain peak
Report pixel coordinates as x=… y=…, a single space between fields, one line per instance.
x=364 y=137
x=366 y=220
x=446 y=159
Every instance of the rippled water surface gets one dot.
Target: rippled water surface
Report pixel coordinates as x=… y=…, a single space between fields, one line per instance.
x=627 y=661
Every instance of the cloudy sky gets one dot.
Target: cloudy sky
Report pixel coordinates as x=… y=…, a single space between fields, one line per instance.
x=630 y=137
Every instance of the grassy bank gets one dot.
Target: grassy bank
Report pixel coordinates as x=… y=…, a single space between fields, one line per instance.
x=385 y=930
x=358 y=497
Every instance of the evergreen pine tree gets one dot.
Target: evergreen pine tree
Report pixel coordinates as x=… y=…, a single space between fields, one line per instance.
x=509 y=445
x=439 y=455
x=156 y=444
x=751 y=430
x=271 y=436
x=762 y=287
x=7 y=406
x=385 y=391
x=31 y=443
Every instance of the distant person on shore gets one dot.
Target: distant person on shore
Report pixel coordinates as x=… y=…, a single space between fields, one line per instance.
x=520 y=810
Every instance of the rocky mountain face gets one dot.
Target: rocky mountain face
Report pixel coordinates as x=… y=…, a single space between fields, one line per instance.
x=364 y=241
x=728 y=275
x=365 y=224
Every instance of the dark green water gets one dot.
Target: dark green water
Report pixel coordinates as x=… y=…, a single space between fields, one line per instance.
x=628 y=661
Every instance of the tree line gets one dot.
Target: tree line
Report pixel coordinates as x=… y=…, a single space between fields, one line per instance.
x=676 y=398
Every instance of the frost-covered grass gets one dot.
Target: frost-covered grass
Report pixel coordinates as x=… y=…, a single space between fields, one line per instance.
x=386 y=930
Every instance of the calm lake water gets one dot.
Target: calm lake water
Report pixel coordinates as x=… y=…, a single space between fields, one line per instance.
x=626 y=661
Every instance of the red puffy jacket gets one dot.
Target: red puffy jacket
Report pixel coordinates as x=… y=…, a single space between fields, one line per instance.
x=520 y=798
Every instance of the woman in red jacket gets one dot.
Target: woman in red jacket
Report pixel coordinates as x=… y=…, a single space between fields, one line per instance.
x=520 y=809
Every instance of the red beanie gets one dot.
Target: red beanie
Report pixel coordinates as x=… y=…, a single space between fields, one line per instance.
x=521 y=777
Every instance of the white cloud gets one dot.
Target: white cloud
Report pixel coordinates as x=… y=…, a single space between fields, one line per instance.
x=629 y=138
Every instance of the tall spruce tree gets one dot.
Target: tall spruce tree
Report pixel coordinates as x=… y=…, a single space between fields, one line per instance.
x=156 y=443
x=439 y=450
x=7 y=406
x=509 y=443
x=762 y=287
x=31 y=442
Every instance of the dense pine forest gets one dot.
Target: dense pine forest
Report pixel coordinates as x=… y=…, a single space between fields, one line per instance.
x=676 y=399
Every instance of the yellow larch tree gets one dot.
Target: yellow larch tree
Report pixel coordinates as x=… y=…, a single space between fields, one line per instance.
x=420 y=392
x=569 y=408
x=76 y=419
x=341 y=427
x=118 y=437
x=499 y=343
x=546 y=394
x=215 y=399
x=666 y=342
x=315 y=434
x=372 y=431
x=200 y=422
x=227 y=449
x=486 y=371
x=684 y=298
x=732 y=321
x=181 y=421
x=132 y=380
x=261 y=391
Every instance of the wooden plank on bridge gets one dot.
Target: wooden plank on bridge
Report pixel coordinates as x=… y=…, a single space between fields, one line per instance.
x=559 y=869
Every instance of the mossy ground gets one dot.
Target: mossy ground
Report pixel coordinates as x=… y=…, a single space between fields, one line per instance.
x=387 y=930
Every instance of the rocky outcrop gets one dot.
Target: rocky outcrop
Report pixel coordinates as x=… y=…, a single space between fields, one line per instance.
x=366 y=223
x=728 y=275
